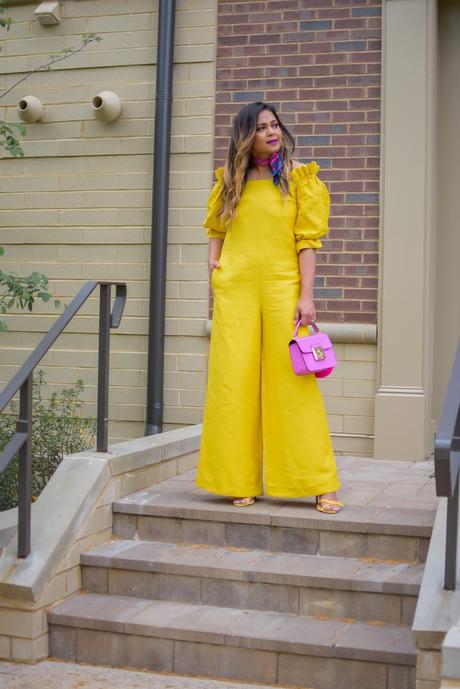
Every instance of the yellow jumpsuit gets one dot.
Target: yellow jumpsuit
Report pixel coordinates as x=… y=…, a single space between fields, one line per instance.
x=262 y=423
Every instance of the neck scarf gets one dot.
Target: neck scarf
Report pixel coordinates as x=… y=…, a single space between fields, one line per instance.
x=276 y=165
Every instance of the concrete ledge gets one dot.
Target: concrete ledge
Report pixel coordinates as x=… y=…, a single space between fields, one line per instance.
x=451 y=654
x=435 y=627
x=72 y=514
x=57 y=516
x=437 y=610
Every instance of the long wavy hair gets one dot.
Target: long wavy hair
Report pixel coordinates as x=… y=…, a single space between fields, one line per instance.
x=238 y=161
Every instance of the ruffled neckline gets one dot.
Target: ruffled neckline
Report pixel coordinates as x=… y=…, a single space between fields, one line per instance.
x=298 y=173
x=304 y=170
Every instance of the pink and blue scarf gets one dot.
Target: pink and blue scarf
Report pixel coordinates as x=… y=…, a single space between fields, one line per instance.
x=276 y=165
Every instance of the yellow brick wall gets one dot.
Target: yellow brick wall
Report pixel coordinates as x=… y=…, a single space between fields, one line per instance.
x=78 y=206
x=349 y=396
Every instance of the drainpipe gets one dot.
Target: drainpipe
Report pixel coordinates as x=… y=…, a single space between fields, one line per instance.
x=159 y=235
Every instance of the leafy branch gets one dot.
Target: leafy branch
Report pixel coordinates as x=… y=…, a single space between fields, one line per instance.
x=9 y=132
x=86 y=39
x=8 y=138
x=5 y=22
x=22 y=292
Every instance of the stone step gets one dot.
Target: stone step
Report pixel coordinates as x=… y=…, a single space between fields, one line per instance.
x=167 y=513
x=238 y=578
x=270 y=647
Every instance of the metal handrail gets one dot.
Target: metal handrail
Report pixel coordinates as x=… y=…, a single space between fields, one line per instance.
x=21 y=441
x=447 y=465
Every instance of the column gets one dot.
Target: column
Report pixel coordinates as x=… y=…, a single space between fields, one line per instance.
x=403 y=423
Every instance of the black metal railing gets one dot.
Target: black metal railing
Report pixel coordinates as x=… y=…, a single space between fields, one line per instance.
x=447 y=464
x=21 y=441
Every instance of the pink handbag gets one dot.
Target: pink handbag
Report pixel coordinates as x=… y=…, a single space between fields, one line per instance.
x=312 y=354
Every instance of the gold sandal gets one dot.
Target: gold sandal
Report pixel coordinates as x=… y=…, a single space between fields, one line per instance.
x=325 y=501
x=243 y=502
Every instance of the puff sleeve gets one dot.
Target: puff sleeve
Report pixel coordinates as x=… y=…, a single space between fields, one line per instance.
x=313 y=205
x=213 y=222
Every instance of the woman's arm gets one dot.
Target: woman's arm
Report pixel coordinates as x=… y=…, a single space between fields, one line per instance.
x=215 y=248
x=305 y=311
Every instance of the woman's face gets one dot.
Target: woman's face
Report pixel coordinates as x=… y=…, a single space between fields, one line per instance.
x=268 y=136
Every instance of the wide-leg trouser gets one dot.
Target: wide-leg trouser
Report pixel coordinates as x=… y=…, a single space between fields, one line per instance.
x=262 y=423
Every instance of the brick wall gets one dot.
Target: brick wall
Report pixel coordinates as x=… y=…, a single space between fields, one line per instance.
x=319 y=63
x=78 y=205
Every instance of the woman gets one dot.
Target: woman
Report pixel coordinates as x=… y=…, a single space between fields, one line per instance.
x=262 y=423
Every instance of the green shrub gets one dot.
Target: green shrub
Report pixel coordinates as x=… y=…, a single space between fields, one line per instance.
x=58 y=429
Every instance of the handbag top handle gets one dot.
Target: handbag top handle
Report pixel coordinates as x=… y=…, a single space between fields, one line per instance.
x=314 y=326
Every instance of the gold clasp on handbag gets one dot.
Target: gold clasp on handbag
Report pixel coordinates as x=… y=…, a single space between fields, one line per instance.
x=318 y=353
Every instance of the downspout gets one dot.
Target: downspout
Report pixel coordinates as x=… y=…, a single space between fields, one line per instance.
x=159 y=235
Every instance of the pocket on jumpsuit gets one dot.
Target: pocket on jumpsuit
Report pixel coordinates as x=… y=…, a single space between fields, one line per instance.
x=214 y=280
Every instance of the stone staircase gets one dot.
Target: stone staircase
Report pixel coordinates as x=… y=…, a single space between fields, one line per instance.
x=276 y=593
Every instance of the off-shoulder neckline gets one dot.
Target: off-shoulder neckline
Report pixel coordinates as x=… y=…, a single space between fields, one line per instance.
x=311 y=168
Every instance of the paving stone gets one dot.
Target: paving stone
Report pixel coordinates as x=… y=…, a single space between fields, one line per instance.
x=196 y=623
x=94 y=579
x=359 y=606
x=151 y=584
x=315 y=673
x=243 y=536
x=422 y=549
x=63 y=643
x=292 y=540
x=96 y=611
x=417 y=522
x=409 y=604
x=387 y=643
x=406 y=579
x=304 y=515
x=224 y=661
x=256 y=596
x=401 y=677
x=206 y=532
x=385 y=547
x=160 y=529
x=131 y=583
x=294 y=634
x=340 y=544
x=310 y=570
x=180 y=588
x=197 y=504
x=124 y=650
x=124 y=525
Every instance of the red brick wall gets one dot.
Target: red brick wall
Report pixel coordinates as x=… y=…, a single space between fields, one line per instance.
x=319 y=63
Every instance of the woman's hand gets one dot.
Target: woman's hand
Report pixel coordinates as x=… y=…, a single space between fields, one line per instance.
x=305 y=311
x=213 y=263
x=215 y=249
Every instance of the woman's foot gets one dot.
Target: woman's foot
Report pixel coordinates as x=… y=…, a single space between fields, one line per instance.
x=328 y=503
x=243 y=502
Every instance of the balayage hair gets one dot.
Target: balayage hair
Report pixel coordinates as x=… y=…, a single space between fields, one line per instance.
x=238 y=161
